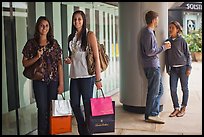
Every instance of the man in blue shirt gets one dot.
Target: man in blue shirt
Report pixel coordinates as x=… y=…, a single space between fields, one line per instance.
x=151 y=65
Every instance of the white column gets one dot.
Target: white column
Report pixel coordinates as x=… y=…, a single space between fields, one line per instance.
x=57 y=22
x=40 y=9
x=133 y=83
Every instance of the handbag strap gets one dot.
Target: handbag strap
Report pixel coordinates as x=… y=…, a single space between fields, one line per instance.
x=88 y=40
x=101 y=92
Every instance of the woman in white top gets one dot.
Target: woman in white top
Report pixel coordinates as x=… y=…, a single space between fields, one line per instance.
x=81 y=83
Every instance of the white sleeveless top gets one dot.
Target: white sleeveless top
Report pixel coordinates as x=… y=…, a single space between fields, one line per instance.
x=78 y=67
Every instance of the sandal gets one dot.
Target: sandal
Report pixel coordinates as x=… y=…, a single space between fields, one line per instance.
x=174 y=113
x=181 y=112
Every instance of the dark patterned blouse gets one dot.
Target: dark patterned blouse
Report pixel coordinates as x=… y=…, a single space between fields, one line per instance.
x=51 y=55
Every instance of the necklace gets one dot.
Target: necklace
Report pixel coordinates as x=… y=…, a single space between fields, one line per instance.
x=74 y=49
x=76 y=42
x=74 y=46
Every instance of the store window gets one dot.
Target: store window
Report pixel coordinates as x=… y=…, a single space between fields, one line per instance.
x=97 y=23
x=190 y=25
x=87 y=12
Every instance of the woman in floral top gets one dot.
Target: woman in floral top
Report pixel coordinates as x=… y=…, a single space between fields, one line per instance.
x=44 y=46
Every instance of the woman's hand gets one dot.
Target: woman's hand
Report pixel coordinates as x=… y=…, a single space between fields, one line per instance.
x=188 y=72
x=67 y=60
x=98 y=85
x=27 y=62
x=60 y=89
x=40 y=52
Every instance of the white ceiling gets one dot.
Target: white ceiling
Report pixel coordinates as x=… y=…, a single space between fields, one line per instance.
x=112 y=3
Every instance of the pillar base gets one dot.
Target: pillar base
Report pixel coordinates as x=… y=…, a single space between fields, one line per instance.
x=137 y=109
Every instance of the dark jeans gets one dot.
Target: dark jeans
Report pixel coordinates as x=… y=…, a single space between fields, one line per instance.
x=81 y=87
x=155 y=91
x=44 y=92
x=175 y=74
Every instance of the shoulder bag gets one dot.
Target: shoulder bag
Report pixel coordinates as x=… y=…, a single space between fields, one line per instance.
x=35 y=71
x=103 y=57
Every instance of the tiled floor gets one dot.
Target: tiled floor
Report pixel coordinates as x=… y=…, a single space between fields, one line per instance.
x=27 y=120
x=128 y=123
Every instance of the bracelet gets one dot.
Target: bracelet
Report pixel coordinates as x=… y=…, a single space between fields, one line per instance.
x=98 y=80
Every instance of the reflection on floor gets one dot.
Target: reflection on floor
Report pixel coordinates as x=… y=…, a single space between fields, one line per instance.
x=27 y=121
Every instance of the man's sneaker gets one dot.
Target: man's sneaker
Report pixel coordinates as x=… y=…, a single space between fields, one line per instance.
x=156 y=119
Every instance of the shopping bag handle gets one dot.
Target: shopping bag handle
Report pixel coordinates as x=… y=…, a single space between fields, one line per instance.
x=62 y=96
x=101 y=92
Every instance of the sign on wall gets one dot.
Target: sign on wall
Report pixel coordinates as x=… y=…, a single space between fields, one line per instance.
x=190 y=25
x=192 y=6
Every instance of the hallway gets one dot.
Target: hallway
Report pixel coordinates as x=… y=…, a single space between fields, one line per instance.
x=128 y=123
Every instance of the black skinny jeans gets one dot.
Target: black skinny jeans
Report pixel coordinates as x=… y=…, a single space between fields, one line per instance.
x=44 y=92
x=81 y=87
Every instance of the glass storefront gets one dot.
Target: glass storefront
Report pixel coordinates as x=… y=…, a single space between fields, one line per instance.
x=192 y=21
x=188 y=14
x=18 y=20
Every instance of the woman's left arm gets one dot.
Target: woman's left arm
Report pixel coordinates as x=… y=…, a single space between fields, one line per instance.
x=94 y=46
x=58 y=54
x=188 y=57
x=61 y=78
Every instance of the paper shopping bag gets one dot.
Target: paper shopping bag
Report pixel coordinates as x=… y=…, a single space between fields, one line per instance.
x=101 y=105
x=61 y=107
x=60 y=124
x=103 y=123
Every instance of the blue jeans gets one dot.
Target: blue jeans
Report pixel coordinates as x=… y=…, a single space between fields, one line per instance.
x=44 y=92
x=81 y=87
x=155 y=91
x=175 y=74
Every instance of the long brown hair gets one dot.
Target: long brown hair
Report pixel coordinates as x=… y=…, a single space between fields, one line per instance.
x=83 y=37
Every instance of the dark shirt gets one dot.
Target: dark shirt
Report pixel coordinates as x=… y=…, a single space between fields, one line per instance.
x=149 y=48
x=179 y=53
x=51 y=56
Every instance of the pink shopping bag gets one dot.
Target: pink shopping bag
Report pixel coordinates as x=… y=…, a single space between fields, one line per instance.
x=101 y=105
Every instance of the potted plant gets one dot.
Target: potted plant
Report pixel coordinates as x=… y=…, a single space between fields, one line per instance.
x=194 y=40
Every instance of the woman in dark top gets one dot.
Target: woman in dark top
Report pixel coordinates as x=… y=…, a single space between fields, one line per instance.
x=178 y=66
x=44 y=46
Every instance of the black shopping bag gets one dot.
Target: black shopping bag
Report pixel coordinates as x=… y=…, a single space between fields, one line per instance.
x=101 y=124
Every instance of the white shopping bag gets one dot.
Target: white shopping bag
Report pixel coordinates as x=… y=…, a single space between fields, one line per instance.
x=61 y=107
